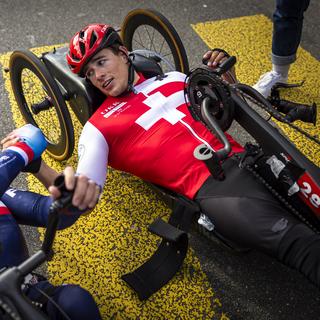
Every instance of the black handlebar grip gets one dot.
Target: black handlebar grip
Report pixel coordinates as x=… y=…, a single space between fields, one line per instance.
x=224 y=66
x=228 y=64
x=60 y=184
x=66 y=195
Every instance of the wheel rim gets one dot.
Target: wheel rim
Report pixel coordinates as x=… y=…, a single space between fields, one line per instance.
x=151 y=42
x=34 y=92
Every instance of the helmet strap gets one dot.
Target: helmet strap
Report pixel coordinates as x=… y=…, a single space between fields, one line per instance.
x=131 y=76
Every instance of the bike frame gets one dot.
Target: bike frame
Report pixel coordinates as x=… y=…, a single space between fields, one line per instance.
x=84 y=100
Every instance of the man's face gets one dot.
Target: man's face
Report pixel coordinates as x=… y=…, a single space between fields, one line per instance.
x=108 y=72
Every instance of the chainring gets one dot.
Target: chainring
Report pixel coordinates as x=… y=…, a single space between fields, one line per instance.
x=201 y=83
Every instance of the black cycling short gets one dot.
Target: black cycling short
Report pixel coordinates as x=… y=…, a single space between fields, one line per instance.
x=244 y=211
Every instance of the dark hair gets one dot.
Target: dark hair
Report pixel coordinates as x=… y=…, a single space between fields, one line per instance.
x=115 y=48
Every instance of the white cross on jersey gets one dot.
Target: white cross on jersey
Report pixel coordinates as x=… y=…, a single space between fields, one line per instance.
x=162 y=108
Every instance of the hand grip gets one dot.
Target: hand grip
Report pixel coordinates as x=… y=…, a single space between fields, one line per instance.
x=224 y=66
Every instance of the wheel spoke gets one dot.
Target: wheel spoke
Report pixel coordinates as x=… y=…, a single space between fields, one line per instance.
x=163 y=42
x=152 y=42
x=141 y=42
x=34 y=92
x=150 y=31
x=150 y=38
x=140 y=45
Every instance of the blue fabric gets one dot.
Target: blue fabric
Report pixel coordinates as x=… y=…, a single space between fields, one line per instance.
x=11 y=163
x=75 y=301
x=32 y=209
x=287 y=28
x=34 y=138
x=13 y=248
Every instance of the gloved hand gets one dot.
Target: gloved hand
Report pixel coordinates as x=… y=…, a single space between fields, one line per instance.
x=32 y=137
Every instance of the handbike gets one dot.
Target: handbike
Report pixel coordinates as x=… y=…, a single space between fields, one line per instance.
x=213 y=101
x=156 y=48
x=14 y=304
x=273 y=159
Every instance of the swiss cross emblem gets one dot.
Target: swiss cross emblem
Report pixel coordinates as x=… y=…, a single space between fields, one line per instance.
x=161 y=107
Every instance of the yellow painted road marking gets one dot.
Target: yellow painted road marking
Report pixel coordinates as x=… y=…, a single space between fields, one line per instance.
x=249 y=39
x=113 y=239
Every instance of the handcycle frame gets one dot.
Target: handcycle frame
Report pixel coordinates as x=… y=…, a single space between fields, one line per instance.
x=84 y=99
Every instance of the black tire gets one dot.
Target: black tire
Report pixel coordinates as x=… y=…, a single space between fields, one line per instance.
x=154 y=26
x=31 y=83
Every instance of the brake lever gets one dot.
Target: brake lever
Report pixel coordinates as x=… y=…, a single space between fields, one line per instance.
x=224 y=66
x=292 y=110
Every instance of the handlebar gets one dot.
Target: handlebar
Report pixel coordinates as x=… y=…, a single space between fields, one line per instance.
x=212 y=123
x=224 y=66
x=10 y=287
x=11 y=278
x=206 y=115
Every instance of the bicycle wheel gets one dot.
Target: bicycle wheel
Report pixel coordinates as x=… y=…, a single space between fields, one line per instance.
x=41 y=103
x=150 y=33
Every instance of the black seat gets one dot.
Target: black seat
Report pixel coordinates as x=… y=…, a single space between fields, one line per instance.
x=148 y=66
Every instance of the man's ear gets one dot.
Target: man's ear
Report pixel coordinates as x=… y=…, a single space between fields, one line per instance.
x=123 y=51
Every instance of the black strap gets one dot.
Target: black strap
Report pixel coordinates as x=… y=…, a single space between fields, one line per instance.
x=214 y=166
x=167 y=260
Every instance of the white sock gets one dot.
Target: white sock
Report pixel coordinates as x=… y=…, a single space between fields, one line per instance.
x=282 y=69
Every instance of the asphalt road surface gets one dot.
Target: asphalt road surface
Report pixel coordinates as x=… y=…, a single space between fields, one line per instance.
x=251 y=285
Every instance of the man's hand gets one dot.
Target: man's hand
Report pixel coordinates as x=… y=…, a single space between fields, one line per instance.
x=9 y=140
x=28 y=135
x=214 y=58
x=86 y=192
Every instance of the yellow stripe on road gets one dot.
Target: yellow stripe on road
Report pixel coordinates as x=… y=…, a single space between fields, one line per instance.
x=249 y=39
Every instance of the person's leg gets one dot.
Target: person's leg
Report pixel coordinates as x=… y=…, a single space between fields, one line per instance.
x=244 y=211
x=32 y=209
x=287 y=28
x=13 y=249
x=73 y=300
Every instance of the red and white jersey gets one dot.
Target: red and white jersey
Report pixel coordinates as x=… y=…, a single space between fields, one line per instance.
x=151 y=134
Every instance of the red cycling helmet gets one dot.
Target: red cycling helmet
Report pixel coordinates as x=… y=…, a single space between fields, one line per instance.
x=87 y=43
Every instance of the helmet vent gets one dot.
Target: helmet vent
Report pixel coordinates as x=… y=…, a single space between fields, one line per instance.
x=82 y=48
x=74 y=57
x=93 y=39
